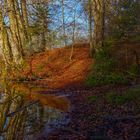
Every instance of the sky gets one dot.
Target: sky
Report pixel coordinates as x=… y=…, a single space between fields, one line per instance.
x=72 y=8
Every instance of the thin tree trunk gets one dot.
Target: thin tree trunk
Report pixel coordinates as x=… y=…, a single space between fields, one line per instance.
x=73 y=36
x=103 y=23
x=90 y=29
x=63 y=23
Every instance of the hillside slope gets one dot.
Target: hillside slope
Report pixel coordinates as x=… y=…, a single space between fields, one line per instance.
x=54 y=68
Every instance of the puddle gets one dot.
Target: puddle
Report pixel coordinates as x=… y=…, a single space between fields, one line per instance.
x=27 y=115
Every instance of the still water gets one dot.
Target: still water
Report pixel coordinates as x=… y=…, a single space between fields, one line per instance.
x=27 y=114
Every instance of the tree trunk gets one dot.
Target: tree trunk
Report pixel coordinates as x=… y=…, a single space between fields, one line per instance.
x=25 y=18
x=24 y=13
x=73 y=35
x=90 y=28
x=15 y=33
x=99 y=19
x=63 y=23
x=21 y=26
x=6 y=47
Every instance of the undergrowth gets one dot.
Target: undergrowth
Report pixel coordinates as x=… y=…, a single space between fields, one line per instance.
x=93 y=98
x=133 y=70
x=130 y=95
x=105 y=70
x=102 y=79
x=117 y=99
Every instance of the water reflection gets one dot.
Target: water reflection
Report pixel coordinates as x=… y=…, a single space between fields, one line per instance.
x=26 y=115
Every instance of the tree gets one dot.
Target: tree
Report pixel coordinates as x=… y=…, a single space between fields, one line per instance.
x=15 y=32
x=6 y=46
x=99 y=23
x=123 y=20
x=63 y=22
x=39 y=19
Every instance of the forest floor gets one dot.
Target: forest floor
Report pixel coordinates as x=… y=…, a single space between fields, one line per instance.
x=94 y=114
x=99 y=120
x=54 y=68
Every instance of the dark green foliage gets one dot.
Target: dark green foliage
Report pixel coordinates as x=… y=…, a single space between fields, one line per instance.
x=104 y=70
x=134 y=70
x=125 y=22
x=117 y=99
x=134 y=94
x=103 y=62
x=92 y=99
x=112 y=78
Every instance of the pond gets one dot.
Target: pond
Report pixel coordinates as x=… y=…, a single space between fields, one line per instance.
x=27 y=114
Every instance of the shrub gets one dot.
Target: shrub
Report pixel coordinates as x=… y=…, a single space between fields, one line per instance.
x=103 y=62
x=133 y=70
x=104 y=79
x=114 y=99
x=104 y=70
x=134 y=94
x=92 y=99
x=130 y=95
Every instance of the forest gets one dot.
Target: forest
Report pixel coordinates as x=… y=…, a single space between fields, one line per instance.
x=69 y=69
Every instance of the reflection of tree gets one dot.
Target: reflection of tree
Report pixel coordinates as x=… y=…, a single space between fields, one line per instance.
x=20 y=118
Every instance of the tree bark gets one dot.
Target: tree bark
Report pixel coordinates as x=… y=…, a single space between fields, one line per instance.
x=63 y=23
x=15 y=33
x=24 y=12
x=25 y=18
x=90 y=28
x=6 y=47
x=99 y=21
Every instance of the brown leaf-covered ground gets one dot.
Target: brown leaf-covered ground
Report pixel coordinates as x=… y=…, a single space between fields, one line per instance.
x=98 y=121
x=55 y=69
